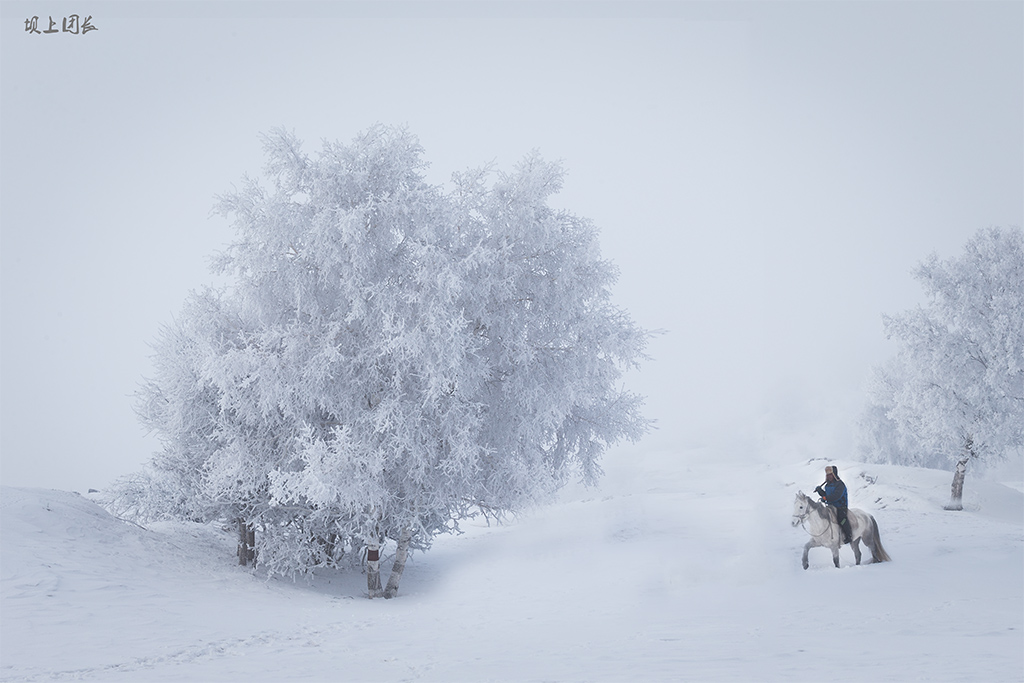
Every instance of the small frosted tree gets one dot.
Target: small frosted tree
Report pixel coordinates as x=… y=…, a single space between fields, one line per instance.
x=389 y=359
x=956 y=386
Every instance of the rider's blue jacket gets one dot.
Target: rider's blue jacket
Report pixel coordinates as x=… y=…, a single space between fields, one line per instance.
x=835 y=493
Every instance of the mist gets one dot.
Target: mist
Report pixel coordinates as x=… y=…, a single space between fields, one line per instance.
x=765 y=176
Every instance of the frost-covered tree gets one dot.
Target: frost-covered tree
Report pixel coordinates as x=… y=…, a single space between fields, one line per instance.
x=880 y=437
x=956 y=387
x=390 y=358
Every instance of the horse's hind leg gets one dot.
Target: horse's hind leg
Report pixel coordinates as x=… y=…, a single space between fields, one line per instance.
x=869 y=542
x=855 y=544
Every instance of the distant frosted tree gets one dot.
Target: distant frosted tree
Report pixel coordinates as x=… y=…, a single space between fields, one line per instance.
x=957 y=384
x=389 y=359
x=880 y=437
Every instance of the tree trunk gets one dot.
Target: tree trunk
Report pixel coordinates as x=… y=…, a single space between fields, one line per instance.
x=331 y=547
x=373 y=569
x=401 y=555
x=957 y=493
x=246 y=543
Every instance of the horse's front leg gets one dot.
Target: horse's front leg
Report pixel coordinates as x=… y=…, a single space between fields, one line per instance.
x=855 y=544
x=835 y=555
x=808 y=546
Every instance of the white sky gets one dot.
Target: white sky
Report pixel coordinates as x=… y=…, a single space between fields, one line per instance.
x=765 y=175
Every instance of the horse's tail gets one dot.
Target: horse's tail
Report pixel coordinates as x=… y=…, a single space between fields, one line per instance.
x=878 y=553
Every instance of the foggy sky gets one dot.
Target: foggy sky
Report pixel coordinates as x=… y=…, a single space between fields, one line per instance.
x=764 y=175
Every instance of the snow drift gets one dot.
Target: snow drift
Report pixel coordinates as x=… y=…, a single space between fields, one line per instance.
x=680 y=566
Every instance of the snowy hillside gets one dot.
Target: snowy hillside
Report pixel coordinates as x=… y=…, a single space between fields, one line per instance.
x=679 y=567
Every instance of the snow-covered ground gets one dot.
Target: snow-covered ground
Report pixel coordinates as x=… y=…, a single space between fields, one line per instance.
x=681 y=566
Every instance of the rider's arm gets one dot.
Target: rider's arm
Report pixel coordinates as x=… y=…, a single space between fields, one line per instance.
x=834 y=493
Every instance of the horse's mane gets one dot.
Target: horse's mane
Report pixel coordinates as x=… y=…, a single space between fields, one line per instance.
x=815 y=505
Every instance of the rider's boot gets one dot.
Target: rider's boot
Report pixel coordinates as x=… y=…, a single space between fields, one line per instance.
x=844 y=524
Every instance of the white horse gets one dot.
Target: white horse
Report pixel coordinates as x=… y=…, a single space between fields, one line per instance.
x=820 y=522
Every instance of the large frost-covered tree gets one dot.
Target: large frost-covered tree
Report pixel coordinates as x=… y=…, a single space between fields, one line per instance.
x=956 y=388
x=389 y=357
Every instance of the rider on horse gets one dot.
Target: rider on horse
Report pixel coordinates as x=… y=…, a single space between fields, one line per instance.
x=833 y=493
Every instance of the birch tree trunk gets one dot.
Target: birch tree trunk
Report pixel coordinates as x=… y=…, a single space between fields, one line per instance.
x=373 y=569
x=957 y=492
x=401 y=555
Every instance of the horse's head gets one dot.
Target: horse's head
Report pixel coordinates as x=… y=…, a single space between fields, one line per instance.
x=801 y=507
